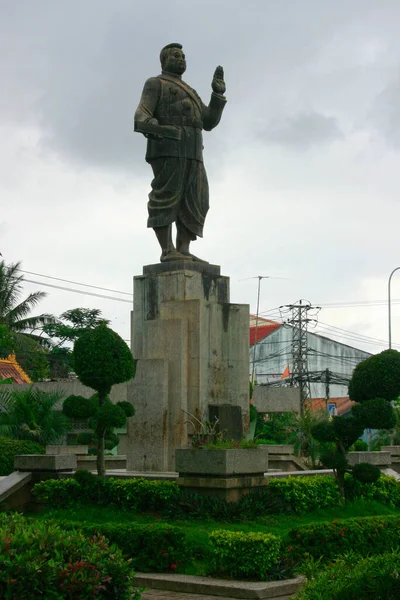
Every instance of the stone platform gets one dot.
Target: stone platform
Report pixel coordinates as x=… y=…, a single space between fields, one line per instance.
x=192 y=347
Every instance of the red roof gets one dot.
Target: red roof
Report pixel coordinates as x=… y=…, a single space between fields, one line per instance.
x=262 y=331
x=343 y=405
x=10 y=368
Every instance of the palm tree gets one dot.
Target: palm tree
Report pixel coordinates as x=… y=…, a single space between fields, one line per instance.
x=32 y=414
x=14 y=314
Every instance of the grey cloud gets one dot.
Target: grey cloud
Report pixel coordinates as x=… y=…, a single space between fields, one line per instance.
x=302 y=130
x=78 y=67
x=385 y=115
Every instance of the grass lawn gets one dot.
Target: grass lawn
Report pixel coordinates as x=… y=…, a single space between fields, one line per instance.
x=197 y=531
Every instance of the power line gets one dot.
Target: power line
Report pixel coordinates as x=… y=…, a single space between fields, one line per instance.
x=66 y=289
x=96 y=287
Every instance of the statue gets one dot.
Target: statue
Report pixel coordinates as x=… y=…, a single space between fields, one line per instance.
x=171 y=116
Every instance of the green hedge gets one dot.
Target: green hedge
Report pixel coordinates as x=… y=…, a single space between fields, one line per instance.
x=156 y=547
x=244 y=555
x=38 y=560
x=87 y=489
x=10 y=448
x=366 y=535
x=286 y=495
x=372 y=578
x=385 y=490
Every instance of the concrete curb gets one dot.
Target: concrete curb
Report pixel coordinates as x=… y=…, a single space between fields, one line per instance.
x=219 y=587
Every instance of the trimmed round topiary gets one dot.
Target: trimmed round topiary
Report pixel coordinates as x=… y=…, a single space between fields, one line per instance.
x=348 y=429
x=102 y=359
x=109 y=415
x=375 y=414
x=366 y=473
x=78 y=407
x=324 y=431
x=376 y=377
x=86 y=438
x=127 y=408
x=334 y=460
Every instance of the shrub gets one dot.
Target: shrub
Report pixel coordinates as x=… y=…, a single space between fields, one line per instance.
x=305 y=494
x=88 y=489
x=156 y=547
x=368 y=535
x=385 y=490
x=359 y=446
x=9 y=448
x=366 y=473
x=375 y=577
x=78 y=407
x=40 y=560
x=244 y=555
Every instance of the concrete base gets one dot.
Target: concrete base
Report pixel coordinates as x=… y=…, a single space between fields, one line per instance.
x=230 y=489
x=221 y=463
x=192 y=348
x=89 y=463
x=380 y=459
x=78 y=450
x=45 y=462
x=227 y=588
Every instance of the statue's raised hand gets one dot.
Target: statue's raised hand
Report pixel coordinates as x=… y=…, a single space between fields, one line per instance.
x=218 y=83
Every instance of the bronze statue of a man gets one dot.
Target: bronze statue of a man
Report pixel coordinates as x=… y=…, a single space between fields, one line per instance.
x=171 y=115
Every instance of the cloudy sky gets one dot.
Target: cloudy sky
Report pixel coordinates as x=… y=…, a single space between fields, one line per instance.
x=303 y=169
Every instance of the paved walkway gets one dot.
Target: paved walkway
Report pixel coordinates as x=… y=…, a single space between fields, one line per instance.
x=163 y=595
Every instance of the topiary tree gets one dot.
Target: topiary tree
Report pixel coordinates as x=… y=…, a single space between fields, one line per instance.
x=374 y=385
x=102 y=359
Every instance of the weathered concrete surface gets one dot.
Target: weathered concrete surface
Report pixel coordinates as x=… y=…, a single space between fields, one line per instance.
x=45 y=462
x=88 y=463
x=270 y=399
x=374 y=458
x=192 y=347
x=13 y=483
x=393 y=450
x=64 y=449
x=220 y=462
x=219 y=587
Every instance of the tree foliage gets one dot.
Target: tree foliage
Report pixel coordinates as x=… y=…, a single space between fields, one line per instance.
x=32 y=414
x=376 y=377
x=374 y=384
x=102 y=359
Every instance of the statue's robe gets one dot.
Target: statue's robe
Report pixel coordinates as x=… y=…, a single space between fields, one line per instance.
x=180 y=187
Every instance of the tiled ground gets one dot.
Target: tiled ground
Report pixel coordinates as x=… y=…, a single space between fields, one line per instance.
x=161 y=595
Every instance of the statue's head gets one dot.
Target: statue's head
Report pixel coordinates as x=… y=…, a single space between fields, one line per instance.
x=173 y=59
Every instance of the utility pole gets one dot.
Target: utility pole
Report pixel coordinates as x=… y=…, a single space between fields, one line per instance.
x=300 y=375
x=327 y=387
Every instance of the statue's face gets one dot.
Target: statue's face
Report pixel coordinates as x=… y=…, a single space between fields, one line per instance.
x=176 y=61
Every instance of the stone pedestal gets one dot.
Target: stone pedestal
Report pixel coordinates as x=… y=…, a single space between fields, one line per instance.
x=192 y=348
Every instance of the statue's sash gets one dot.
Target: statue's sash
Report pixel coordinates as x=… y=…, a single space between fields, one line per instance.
x=186 y=88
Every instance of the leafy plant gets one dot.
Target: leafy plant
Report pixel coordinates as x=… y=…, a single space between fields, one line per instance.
x=348 y=578
x=369 y=535
x=40 y=559
x=155 y=547
x=32 y=414
x=244 y=555
x=102 y=359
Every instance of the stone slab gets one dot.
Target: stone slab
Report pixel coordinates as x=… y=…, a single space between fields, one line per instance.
x=231 y=489
x=373 y=458
x=221 y=463
x=280 y=449
x=270 y=399
x=12 y=483
x=181 y=265
x=67 y=449
x=393 y=450
x=45 y=462
x=219 y=587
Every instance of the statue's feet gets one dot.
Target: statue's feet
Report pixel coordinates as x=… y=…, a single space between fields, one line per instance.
x=189 y=256
x=174 y=255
